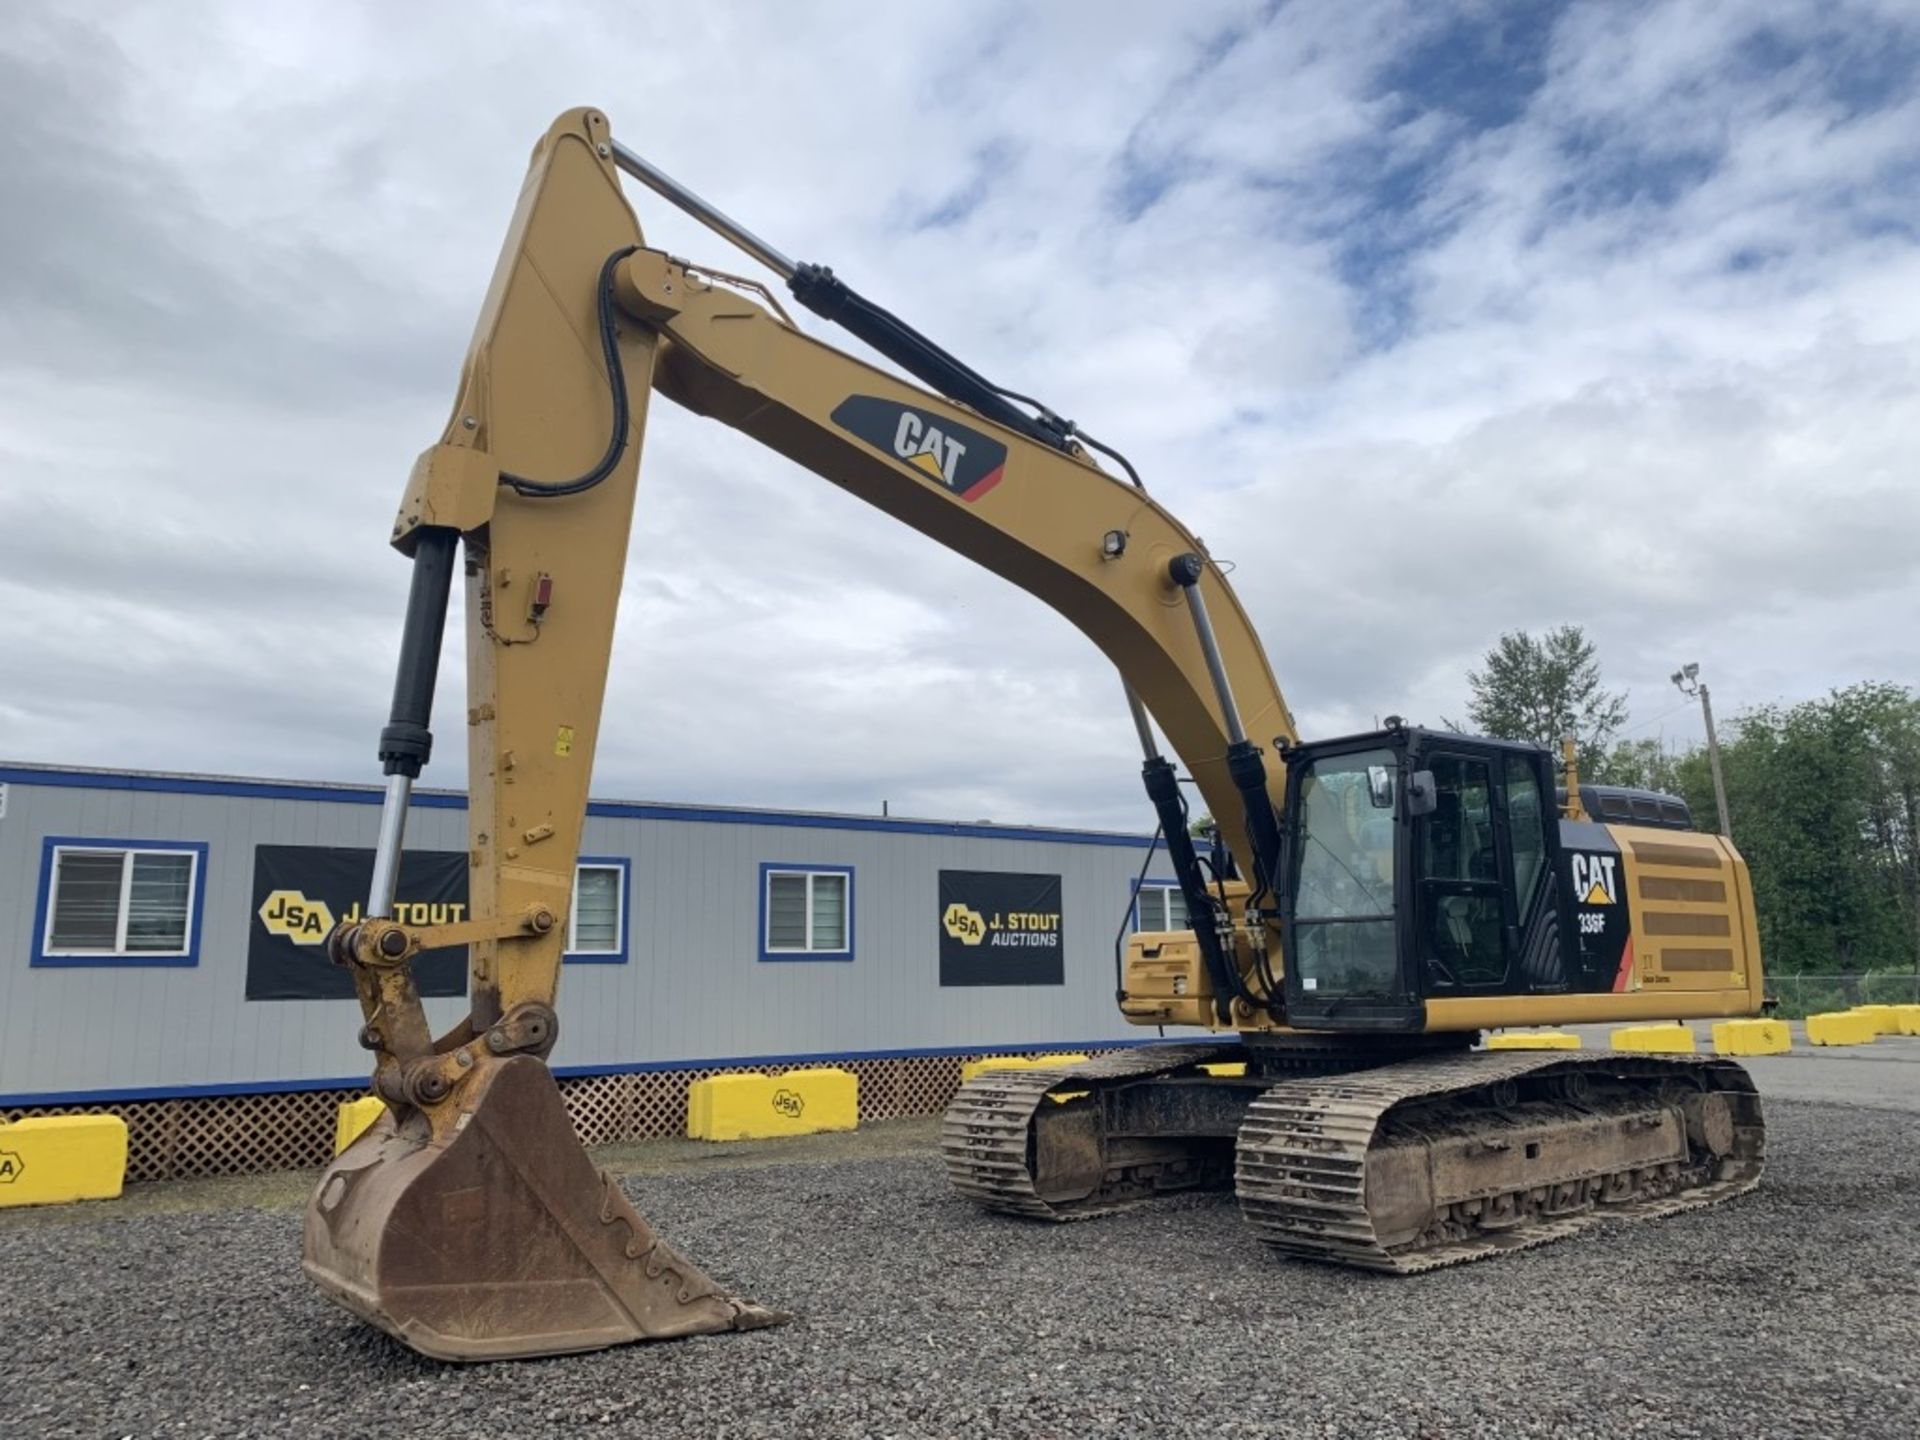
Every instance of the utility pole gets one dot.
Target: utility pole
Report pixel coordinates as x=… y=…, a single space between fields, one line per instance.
x=1687 y=680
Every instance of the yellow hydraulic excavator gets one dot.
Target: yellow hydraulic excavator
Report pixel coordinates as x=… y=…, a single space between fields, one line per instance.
x=1372 y=905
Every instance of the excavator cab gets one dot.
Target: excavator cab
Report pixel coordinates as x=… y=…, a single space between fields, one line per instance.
x=1419 y=864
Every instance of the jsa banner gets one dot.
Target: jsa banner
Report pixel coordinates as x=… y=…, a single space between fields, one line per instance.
x=1000 y=929
x=301 y=891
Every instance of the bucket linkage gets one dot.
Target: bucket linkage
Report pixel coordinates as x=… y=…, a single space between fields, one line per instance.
x=469 y=1220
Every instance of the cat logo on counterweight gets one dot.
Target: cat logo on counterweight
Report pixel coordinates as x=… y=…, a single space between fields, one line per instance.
x=953 y=456
x=1593 y=881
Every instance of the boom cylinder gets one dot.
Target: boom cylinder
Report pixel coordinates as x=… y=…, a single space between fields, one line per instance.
x=1142 y=726
x=1163 y=790
x=1185 y=571
x=1244 y=766
x=1203 y=913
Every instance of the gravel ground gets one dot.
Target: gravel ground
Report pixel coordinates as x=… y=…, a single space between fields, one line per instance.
x=1793 y=1311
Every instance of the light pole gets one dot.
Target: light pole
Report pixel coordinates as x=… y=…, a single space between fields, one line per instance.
x=1687 y=680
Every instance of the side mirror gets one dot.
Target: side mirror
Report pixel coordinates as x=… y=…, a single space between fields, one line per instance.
x=1380 y=787
x=1423 y=796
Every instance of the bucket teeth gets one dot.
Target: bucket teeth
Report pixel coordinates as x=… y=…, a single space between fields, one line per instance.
x=503 y=1241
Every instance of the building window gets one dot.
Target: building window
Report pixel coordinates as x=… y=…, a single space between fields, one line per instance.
x=597 y=929
x=806 y=912
x=120 y=902
x=1159 y=905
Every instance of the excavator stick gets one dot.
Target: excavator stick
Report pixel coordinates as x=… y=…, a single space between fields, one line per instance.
x=504 y=1242
x=470 y=1221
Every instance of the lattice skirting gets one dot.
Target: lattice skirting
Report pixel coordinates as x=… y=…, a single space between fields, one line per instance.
x=252 y=1134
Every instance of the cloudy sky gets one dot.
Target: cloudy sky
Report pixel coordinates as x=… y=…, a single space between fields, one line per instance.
x=1437 y=320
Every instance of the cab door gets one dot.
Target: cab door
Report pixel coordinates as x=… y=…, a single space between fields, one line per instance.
x=1541 y=946
x=1464 y=915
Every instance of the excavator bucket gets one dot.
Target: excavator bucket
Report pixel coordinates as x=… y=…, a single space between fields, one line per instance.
x=503 y=1240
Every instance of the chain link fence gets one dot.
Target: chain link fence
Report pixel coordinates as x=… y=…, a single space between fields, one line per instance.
x=1804 y=995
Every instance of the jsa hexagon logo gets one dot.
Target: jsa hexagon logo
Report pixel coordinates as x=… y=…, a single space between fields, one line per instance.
x=964 y=923
x=789 y=1103
x=293 y=915
x=12 y=1167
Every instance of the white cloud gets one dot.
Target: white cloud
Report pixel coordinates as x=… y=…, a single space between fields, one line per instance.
x=1433 y=334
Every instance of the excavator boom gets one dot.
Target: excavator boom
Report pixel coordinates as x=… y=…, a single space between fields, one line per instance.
x=469 y=1221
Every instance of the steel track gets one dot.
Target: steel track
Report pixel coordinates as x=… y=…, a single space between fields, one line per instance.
x=1302 y=1156
x=987 y=1140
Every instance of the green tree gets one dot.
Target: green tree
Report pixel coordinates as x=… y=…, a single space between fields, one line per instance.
x=1825 y=797
x=1541 y=689
x=1645 y=764
x=1888 y=718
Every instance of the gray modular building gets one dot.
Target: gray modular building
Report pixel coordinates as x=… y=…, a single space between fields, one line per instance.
x=159 y=936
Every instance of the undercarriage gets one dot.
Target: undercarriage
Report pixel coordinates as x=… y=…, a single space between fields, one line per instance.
x=1396 y=1157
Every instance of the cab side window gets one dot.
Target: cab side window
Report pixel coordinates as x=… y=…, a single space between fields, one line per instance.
x=1462 y=931
x=1527 y=823
x=1460 y=842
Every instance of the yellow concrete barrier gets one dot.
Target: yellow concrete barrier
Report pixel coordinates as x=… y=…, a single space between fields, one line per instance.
x=1655 y=1039
x=52 y=1159
x=1886 y=1018
x=353 y=1118
x=1752 y=1037
x=1226 y=1069
x=1016 y=1062
x=1841 y=1027
x=762 y=1107
x=1534 y=1040
x=1909 y=1018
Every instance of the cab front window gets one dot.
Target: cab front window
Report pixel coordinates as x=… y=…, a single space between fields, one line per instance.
x=1343 y=899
